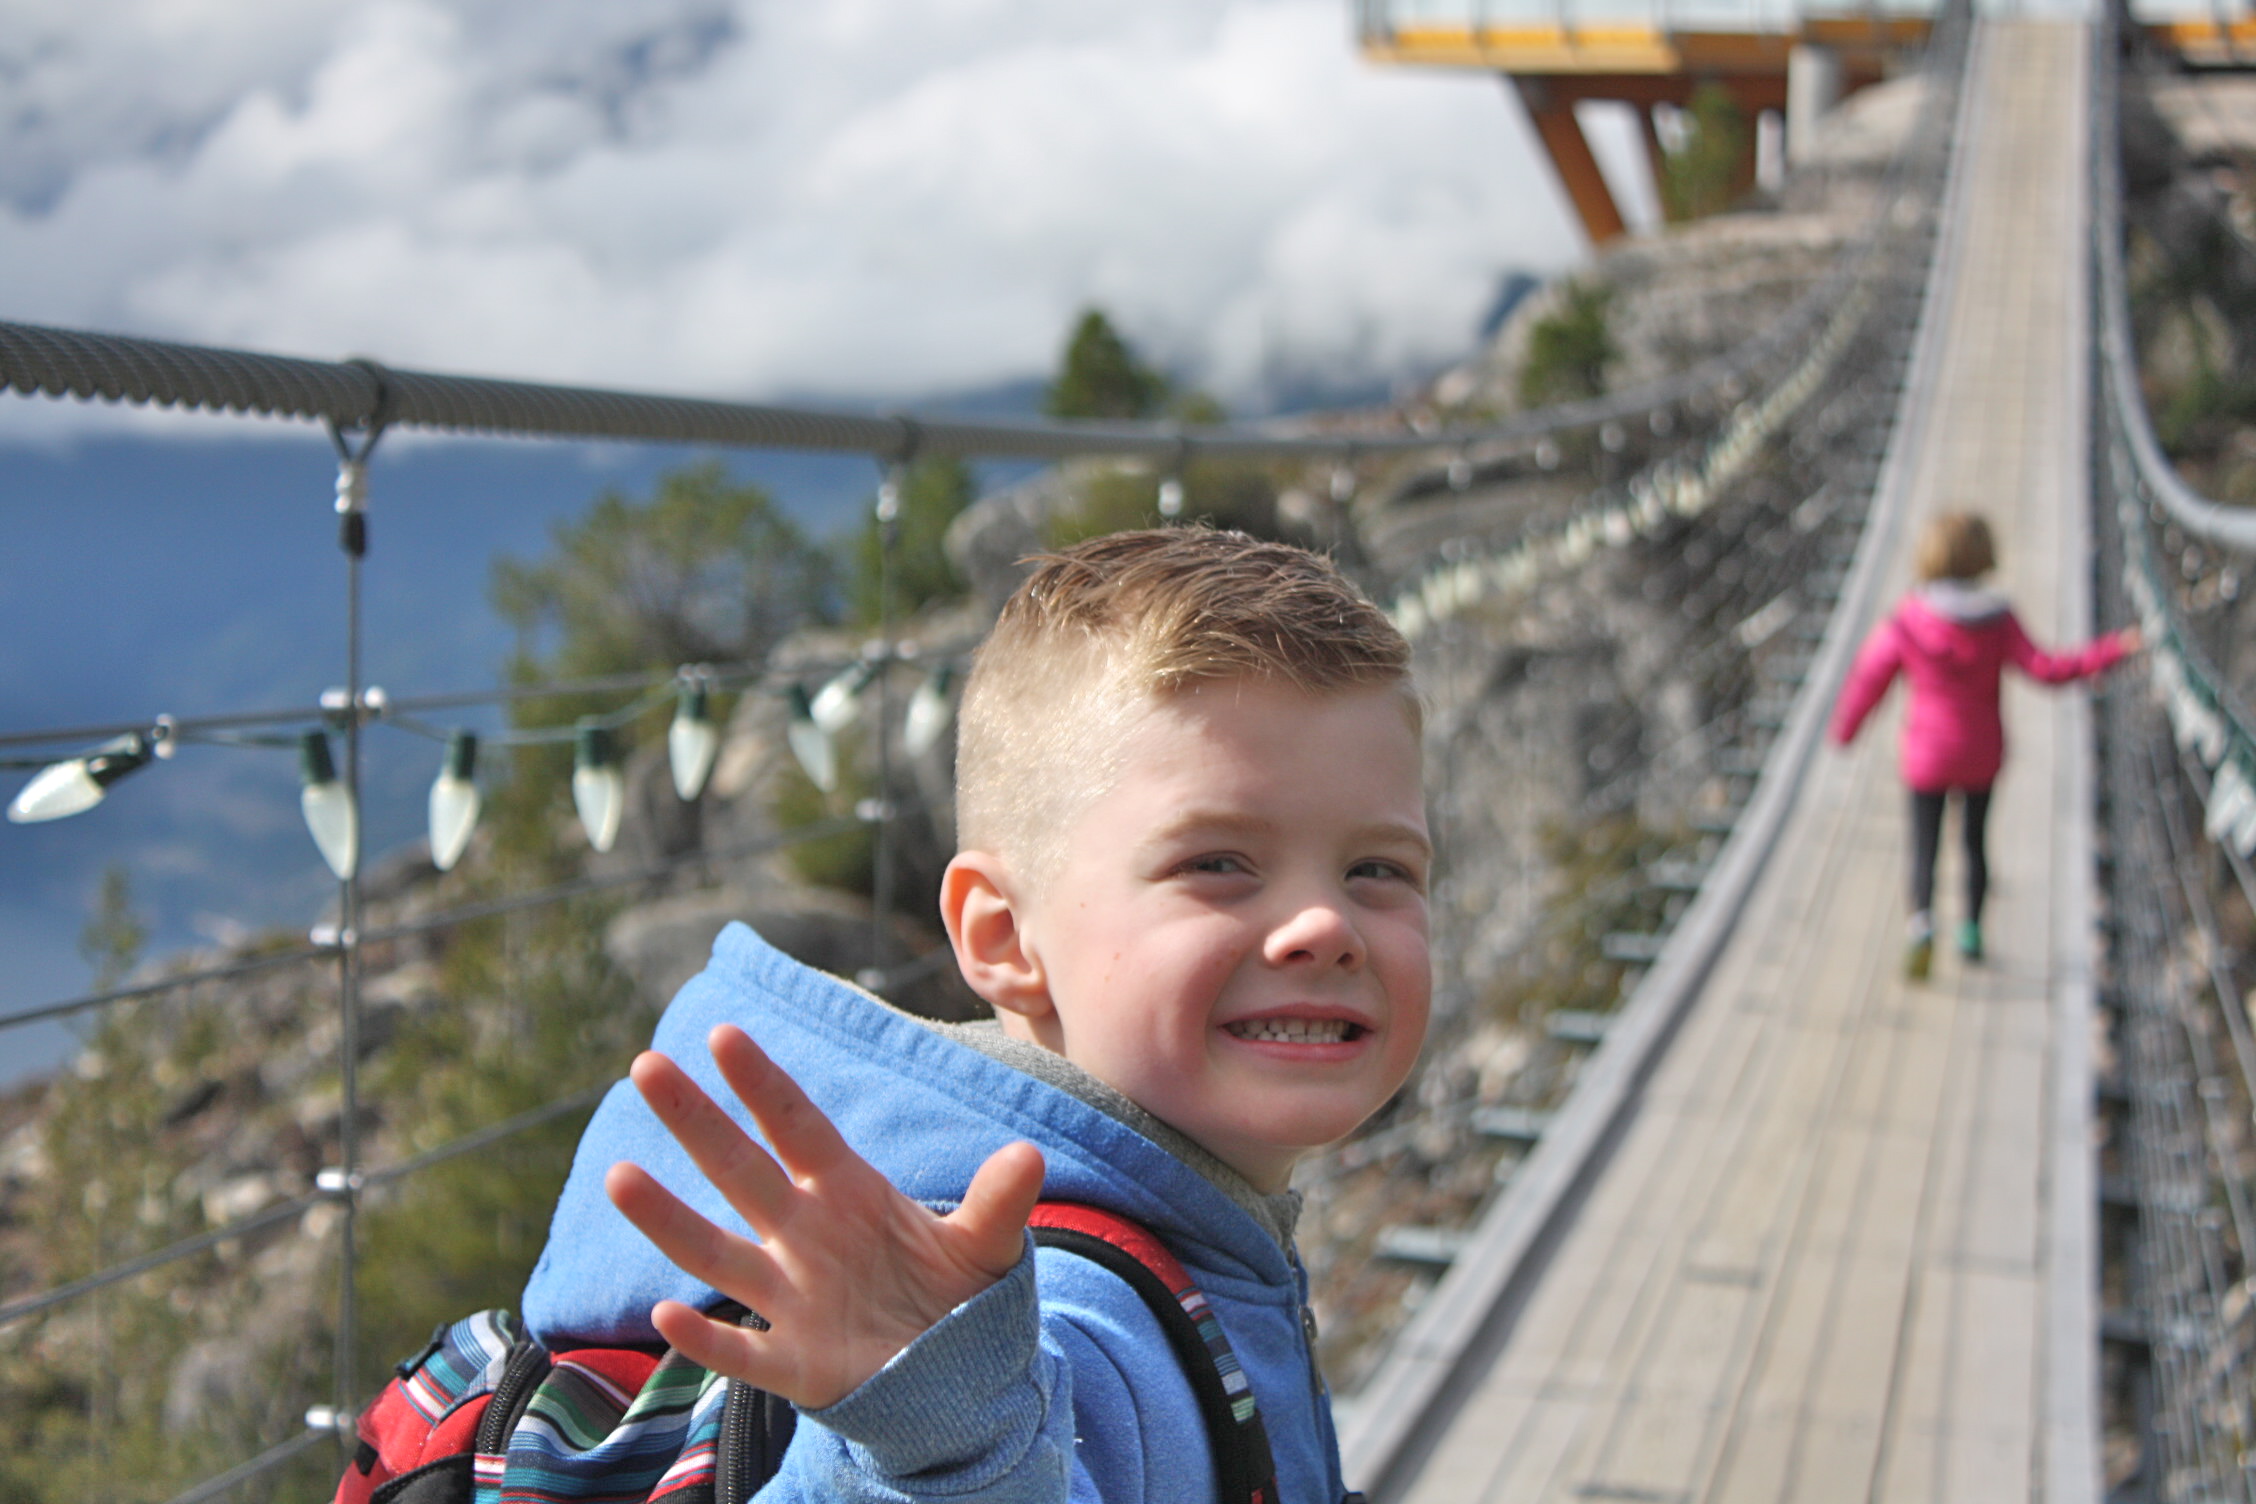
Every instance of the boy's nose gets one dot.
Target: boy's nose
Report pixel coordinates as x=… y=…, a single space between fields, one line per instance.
x=1318 y=933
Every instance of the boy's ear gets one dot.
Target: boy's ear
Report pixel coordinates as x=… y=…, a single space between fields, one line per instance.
x=985 y=927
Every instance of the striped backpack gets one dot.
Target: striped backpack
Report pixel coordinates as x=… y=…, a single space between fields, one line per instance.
x=486 y=1413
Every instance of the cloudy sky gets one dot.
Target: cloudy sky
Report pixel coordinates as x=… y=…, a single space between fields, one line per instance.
x=852 y=199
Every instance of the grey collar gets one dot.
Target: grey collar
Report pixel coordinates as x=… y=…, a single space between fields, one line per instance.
x=1277 y=1214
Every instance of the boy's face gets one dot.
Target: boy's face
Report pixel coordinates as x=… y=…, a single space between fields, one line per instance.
x=1234 y=935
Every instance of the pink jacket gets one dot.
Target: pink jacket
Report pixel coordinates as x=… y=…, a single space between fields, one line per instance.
x=1952 y=641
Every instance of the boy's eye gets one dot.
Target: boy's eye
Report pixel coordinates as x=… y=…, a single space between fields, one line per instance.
x=1217 y=862
x=1386 y=871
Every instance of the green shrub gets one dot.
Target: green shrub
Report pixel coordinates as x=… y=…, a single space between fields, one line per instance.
x=1570 y=348
x=1703 y=174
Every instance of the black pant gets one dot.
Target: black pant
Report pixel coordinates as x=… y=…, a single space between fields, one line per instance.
x=1926 y=835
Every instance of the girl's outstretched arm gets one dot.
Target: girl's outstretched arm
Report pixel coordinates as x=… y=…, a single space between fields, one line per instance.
x=2076 y=663
x=1877 y=664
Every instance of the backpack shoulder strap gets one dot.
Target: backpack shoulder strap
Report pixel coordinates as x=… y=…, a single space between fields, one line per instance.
x=1244 y=1471
x=418 y=1439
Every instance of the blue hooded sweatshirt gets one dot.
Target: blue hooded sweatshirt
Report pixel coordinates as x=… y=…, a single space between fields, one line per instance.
x=1055 y=1383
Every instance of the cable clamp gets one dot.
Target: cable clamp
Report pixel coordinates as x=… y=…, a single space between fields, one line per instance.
x=342 y=1184
x=329 y=1420
x=352 y=487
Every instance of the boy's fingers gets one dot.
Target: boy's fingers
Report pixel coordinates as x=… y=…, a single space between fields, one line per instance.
x=996 y=1205
x=737 y=1267
x=804 y=1139
x=739 y=1168
x=724 y=1348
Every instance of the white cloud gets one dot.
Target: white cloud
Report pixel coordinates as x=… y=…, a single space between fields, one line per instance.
x=857 y=199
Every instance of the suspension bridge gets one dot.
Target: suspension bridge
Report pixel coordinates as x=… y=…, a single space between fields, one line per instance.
x=1760 y=1219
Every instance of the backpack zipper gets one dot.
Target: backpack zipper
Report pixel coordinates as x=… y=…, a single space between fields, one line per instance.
x=741 y=1412
x=528 y=1363
x=730 y=1461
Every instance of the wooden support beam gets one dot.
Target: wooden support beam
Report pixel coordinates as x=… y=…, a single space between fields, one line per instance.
x=1656 y=157
x=1561 y=134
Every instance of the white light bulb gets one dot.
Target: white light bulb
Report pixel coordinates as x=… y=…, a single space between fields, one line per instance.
x=59 y=789
x=1171 y=497
x=836 y=705
x=599 y=793
x=78 y=784
x=329 y=811
x=815 y=753
x=454 y=801
x=692 y=742
x=335 y=824
x=928 y=715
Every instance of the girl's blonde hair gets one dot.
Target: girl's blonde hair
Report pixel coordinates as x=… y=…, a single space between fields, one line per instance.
x=1955 y=546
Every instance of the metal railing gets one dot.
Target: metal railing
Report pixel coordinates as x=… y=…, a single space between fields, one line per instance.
x=2183 y=740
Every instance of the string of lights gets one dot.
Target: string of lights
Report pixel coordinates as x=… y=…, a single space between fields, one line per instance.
x=327 y=938
x=70 y=785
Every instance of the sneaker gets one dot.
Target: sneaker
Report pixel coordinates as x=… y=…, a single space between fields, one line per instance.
x=1919 y=956
x=1919 y=948
x=1970 y=940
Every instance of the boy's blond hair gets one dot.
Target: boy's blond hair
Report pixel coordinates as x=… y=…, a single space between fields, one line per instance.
x=1100 y=629
x=1955 y=546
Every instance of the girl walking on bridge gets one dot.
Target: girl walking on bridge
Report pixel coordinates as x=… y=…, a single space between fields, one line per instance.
x=1951 y=639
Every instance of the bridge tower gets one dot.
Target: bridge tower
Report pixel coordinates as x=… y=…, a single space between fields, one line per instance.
x=1648 y=54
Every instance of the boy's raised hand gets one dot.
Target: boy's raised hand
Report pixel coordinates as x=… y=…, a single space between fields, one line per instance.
x=848 y=1271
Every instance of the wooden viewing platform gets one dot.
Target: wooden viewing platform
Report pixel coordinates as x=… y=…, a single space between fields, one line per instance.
x=1843 y=1250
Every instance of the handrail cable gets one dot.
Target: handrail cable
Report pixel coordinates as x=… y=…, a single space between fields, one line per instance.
x=2184 y=866
x=2194 y=1406
x=2206 y=712
x=444 y=919
x=2230 y=527
x=31 y=1305
x=43 y=1011
x=282 y=1211
x=55 y=362
x=749 y=676
x=243 y=1472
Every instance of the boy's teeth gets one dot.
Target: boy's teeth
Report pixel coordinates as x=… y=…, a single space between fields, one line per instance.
x=1294 y=1030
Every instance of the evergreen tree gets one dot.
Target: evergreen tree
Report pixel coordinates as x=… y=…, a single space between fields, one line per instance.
x=114 y=935
x=1570 y=349
x=707 y=570
x=1102 y=377
x=1706 y=172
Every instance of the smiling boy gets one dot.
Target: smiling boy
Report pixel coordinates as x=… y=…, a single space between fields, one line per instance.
x=1192 y=886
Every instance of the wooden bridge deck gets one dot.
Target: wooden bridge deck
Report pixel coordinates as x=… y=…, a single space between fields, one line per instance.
x=1834 y=1253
